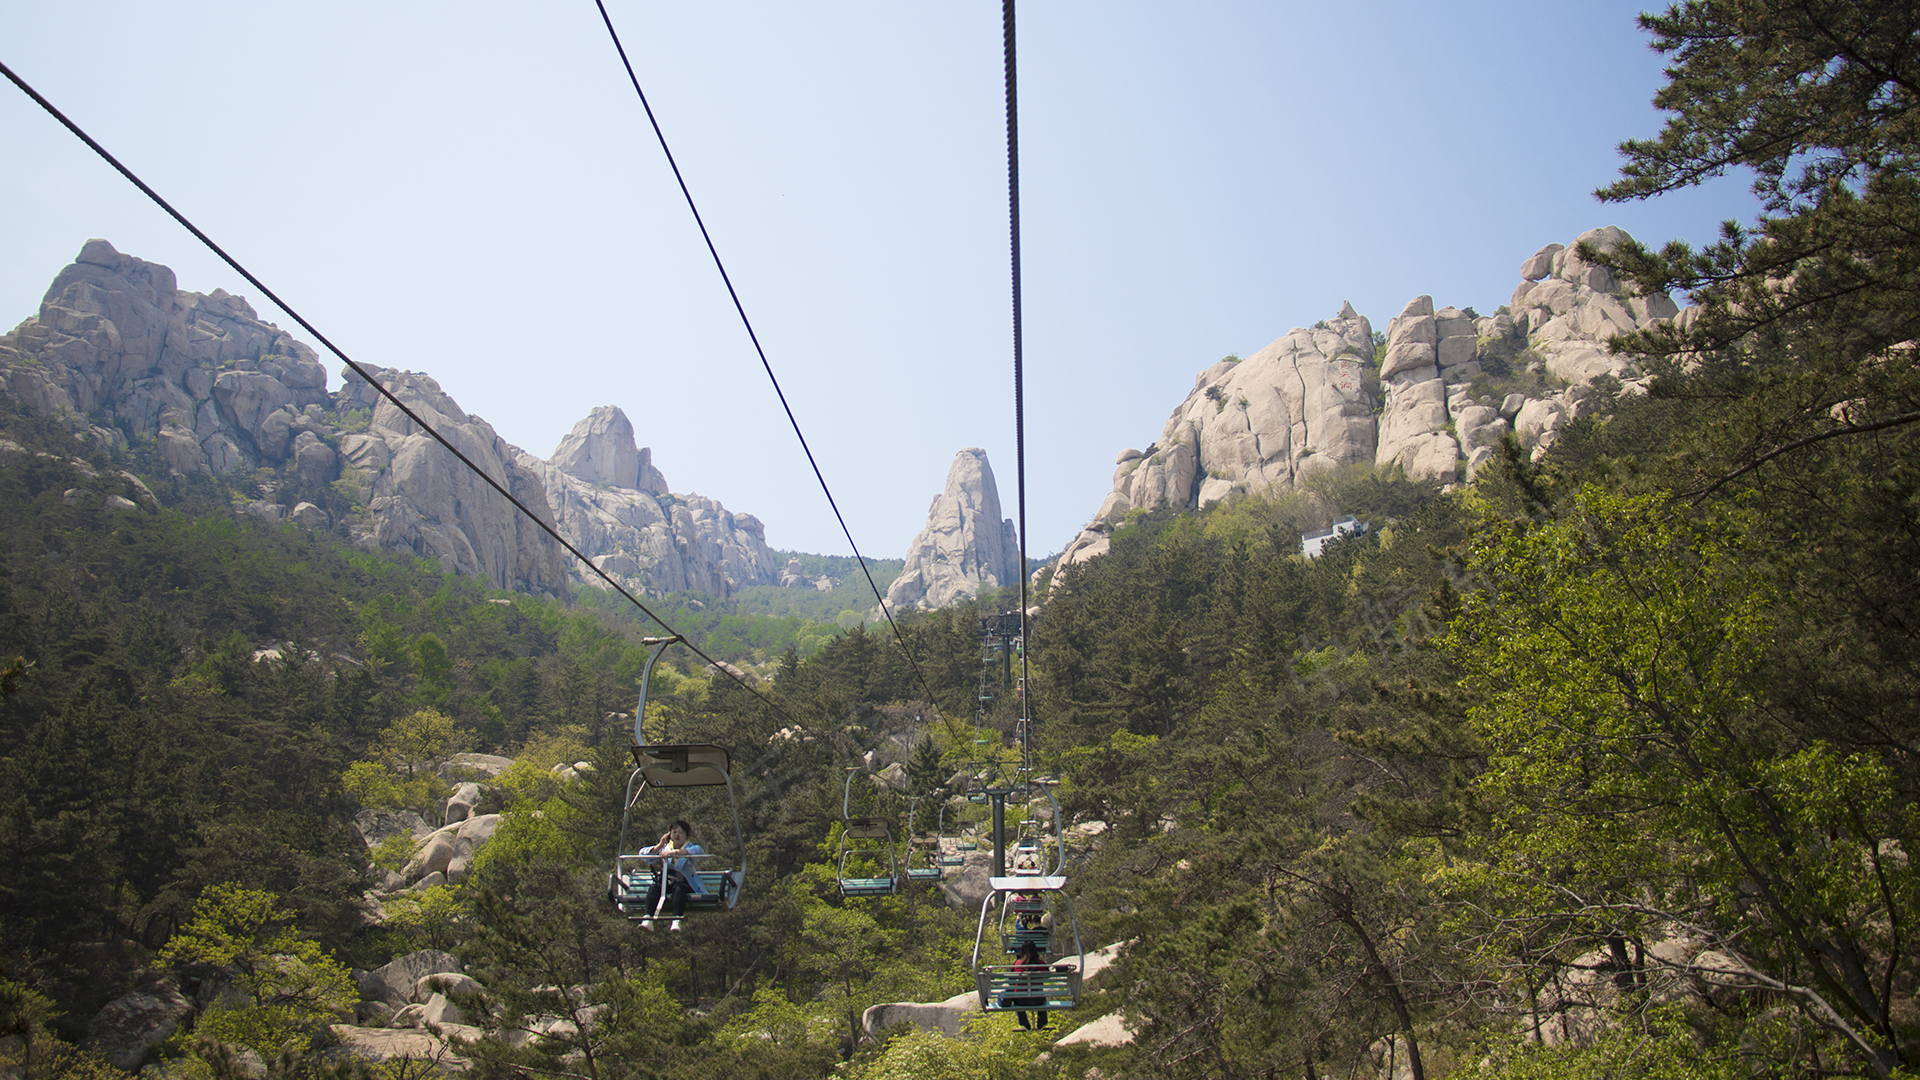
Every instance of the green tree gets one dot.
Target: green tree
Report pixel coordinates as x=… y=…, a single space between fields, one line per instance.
x=416 y=740
x=292 y=985
x=1617 y=654
x=1805 y=316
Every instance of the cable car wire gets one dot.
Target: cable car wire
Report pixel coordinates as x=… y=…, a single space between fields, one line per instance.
x=1019 y=403
x=368 y=376
x=741 y=309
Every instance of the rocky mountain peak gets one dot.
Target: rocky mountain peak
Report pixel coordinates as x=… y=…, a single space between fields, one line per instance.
x=601 y=450
x=965 y=546
x=1446 y=388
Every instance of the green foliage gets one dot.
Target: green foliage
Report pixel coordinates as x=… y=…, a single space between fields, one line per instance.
x=292 y=985
x=414 y=741
x=1660 y=1045
x=991 y=1049
x=1616 y=656
x=435 y=918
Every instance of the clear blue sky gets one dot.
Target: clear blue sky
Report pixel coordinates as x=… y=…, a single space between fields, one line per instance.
x=469 y=189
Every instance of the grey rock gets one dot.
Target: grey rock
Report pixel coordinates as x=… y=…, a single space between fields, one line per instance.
x=308 y=516
x=313 y=459
x=131 y=1025
x=451 y=984
x=1458 y=349
x=394 y=982
x=647 y=539
x=1537 y=418
x=600 y=450
x=947 y=1017
x=426 y=503
x=965 y=546
x=1298 y=405
x=384 y=1044
x=1540 y=263
x=375 y=825
x=489 y=764
x=460 y=804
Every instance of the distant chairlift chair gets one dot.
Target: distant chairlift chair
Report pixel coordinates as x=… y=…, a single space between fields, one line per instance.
x=868 y=838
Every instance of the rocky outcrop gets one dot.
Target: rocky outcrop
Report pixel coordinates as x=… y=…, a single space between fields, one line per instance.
x=422 y=500
x=966 y=545
x=794 y=576
x=137 y=1021
x=1310 y=400
x=217 y=388
x=395 y=981
x=601 y=450
x=612 y=504
x=1300 y=404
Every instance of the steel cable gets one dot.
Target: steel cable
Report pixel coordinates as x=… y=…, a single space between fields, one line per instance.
x=363 y=373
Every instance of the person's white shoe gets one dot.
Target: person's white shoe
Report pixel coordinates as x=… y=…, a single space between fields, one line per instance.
x=646 y=924
x=674 y=925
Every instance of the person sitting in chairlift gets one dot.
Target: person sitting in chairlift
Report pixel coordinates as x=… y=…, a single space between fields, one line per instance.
x=1028 y=962
x=682 y=876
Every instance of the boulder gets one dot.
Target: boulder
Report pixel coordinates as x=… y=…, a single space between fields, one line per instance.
x=314 y=460
x=1109 y=1030
x=308 y=516
x=436 y=1009
x=489 y=764
x=965 y=546
x=1540 y=263
x=460 y=804
x=1538 y=417
x=947 y=1017
x=132 y=1024
x=387 y=1044
x=451 y=984
x=375 y=825
x=968 y=887
x=394 y=982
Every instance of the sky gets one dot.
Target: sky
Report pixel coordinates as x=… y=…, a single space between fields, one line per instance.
x=471 y=190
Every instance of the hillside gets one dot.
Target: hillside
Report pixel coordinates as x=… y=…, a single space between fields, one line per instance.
x=1589 y=756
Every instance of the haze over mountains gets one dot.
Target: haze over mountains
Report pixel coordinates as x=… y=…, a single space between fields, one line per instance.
x=124 y=354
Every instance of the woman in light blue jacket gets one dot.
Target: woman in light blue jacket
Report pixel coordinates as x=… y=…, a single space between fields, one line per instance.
x=681 y=873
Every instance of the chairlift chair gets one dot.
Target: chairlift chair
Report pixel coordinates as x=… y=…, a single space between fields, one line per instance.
x=1008 y=988
x=866 y=838
x=673 y=768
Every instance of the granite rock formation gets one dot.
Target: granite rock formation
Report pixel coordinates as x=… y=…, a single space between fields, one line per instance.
x=119 y=352
x=421 y=499
x=1327 y=396
x=216 y=387
x=966 y=545
x=611 y=503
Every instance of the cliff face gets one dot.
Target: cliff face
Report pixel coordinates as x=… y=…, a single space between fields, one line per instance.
x=219 y=390
x=614 y=505
x=965 y=546
x=1309 y=400
x=420 y=498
